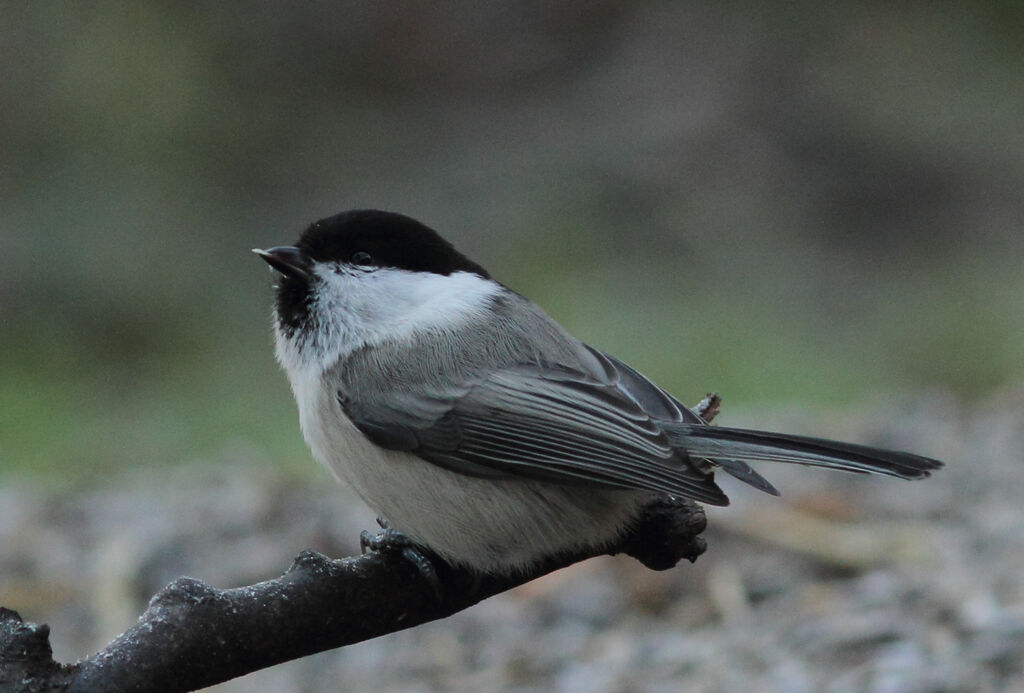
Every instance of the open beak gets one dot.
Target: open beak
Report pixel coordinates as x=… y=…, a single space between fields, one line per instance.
x=288 y=260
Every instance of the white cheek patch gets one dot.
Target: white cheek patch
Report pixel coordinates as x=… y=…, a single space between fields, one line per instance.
x=353 y=309
x=404 y=303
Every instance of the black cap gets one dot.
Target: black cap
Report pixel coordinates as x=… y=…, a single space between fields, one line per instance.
x=387 y=239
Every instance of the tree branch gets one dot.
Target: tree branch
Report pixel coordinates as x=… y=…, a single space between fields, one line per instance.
x=192 y=635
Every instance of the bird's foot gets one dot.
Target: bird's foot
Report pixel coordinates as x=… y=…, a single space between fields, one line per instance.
x=667 y=530
x=390 y=540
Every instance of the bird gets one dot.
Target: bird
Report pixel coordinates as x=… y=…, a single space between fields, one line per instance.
x=474 y=423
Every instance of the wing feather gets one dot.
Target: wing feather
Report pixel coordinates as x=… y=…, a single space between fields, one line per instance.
x=536 y=422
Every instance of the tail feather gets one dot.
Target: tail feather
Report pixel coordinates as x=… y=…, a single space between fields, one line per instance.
x=730 y=448
x=742 y=471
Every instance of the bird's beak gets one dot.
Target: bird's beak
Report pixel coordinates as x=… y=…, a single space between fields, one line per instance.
x=288 y=260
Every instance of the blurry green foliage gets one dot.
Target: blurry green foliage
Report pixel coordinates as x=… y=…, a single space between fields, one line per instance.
x=796 y=202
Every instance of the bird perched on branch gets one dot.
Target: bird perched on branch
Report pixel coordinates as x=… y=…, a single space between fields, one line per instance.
x=473 y=422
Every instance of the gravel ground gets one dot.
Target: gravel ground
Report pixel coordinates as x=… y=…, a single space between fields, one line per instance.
x=845 y=584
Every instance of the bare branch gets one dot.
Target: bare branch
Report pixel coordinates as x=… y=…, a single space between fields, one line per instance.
x=709 y=407
x=192 y=635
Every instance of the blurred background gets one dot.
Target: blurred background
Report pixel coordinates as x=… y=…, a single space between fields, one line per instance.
x=814 y=210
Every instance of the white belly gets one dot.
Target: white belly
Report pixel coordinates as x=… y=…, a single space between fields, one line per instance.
x=491 y=525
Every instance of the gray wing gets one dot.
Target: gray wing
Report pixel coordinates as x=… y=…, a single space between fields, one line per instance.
x=655 y=402
x=666 y=409
x=543 y=422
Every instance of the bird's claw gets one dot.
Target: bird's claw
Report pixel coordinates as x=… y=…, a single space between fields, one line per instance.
x=391 y=540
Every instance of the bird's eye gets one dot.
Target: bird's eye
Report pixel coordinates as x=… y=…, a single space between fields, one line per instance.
x=361 y=257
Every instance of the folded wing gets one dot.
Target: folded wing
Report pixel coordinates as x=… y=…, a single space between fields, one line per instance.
x=537 y=422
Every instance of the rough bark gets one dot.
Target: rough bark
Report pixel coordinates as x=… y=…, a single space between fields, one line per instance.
x=192 y=635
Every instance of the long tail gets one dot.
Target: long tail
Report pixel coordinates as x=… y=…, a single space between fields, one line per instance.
x=731 y=448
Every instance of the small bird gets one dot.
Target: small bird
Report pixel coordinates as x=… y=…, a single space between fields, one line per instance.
x=473 y=422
